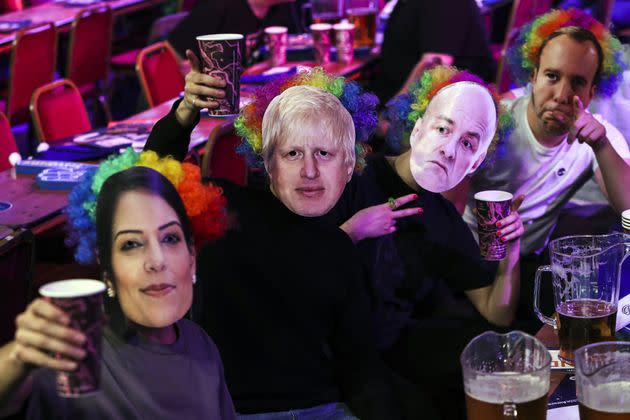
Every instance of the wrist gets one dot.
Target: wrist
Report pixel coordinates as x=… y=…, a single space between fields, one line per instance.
x=347 y=228
x=185 y=114
x=600 y=145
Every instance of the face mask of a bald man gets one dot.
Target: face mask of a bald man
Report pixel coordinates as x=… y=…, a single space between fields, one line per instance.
x=451 y=140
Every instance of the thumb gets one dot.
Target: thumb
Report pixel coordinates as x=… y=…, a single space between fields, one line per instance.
x=194 y=61
x=517 y=202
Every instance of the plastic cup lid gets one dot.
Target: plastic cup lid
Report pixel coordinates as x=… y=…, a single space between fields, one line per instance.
x=493 y=195
x=220 y=37
x=72 y=288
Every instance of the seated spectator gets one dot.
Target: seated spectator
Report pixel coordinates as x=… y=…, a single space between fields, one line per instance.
x=154 y=363
x=416 y=27
x=232 y=16
x=557 y=144
x=426 y=269
x=283 y=292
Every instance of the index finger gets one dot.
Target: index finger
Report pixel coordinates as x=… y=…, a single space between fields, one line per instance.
x=195 y=64
x=45 y=309
x=401 y=201
x=578 y=106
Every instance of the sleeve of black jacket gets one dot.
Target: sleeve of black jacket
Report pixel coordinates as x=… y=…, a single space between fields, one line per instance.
x=169 y=138
x=365 y=384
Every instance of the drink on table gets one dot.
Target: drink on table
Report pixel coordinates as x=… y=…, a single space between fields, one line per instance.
x=507 y=394
x=364 y=20
x=586 y=272
x=602 y=374
x=584 y=321
x=506 y=376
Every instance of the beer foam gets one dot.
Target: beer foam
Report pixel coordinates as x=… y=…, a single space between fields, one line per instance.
x=610 y=397
x=501 y=387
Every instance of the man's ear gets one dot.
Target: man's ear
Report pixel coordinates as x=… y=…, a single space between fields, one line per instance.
x=415 y=133
x=477 y=163
x=534 y=75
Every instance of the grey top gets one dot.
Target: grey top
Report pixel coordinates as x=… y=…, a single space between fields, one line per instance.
x=145 y=380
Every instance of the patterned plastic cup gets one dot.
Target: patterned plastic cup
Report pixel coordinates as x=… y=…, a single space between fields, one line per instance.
x=344 y=40
x=277 y=41
x=221 y=57
x=82 y=301
x=321 y=42
x=492 y=206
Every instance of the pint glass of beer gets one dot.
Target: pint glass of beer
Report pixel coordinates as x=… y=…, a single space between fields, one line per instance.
x=362 y=13
x=602 y=373
x=586 y=272
x=506 y=376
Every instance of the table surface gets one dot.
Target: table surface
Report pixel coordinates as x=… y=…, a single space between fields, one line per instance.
x=548 y=336
x=62 y=16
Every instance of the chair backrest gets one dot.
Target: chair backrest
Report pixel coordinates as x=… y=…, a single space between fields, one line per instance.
x=8 y=6
x=32 y=65
x=523 y=11
x=220 y=159
x=7 y=143
x=90 y=45
x=159 y=74
x=58 y=111
x=16 y=273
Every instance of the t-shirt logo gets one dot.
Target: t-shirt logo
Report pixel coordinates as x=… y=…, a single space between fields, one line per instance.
x=561 y=171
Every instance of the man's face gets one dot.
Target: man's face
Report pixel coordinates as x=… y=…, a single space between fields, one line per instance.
x=566 y=69
x=452 y=138
x=308 y=175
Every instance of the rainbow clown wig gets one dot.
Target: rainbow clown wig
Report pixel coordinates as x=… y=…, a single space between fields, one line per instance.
x=404 y=110
x=205 y=204
x=524 y=53
x=360 y=105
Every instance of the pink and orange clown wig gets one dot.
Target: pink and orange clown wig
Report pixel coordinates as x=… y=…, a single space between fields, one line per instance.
x=524 y=54
x=205 y=204
x=361 y=106
x=404 y=110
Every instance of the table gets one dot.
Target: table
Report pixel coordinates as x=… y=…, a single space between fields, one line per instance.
x=63 y=16
x=350 y=71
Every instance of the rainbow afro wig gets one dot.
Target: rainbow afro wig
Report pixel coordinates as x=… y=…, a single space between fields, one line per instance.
x=205 y=204
x=524 y=53
x=361 y=106
x=404 y=110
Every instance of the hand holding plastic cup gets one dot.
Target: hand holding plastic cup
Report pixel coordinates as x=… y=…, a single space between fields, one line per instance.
x=344 y=41
x=277 y=41
x=221 y=57
x=82 y=301
x=321 y=42
x=492 y=206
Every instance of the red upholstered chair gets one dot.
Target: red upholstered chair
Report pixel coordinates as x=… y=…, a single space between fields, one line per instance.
x=32 y=65
x=523 y=11
x=220 y=159
x=58 y=111
x=7 y=143
x=8 y=6
x=89 y=53
x=159 y=74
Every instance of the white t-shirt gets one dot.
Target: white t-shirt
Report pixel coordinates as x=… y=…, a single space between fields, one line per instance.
x=546 y=176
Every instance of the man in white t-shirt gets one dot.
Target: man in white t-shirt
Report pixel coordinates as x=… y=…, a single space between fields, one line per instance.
x=556 y=144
